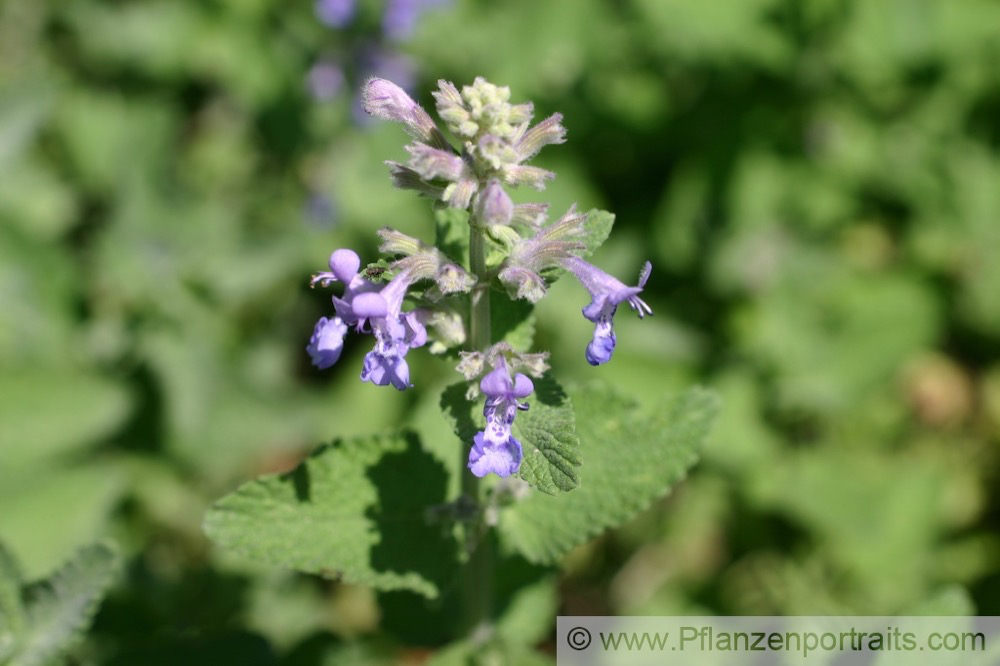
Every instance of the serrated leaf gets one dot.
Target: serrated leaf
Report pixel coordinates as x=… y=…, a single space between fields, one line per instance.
x=631 y=460
x=451 y=234
x=60 y=608
x=547 y=433
x=73 y=505
x=597 y=227
x=355 y=509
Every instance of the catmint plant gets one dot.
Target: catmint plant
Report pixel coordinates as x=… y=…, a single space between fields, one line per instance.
x=536 y=467
x=510 y=246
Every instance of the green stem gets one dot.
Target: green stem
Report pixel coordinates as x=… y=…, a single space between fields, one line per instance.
x=477 y=578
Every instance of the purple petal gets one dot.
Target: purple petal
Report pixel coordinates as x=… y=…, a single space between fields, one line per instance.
x=327 y=342
x=601 y=347
x=416 y=333
x=647 y=268
x=522 y=386
x=497 y=383
x=369 y=305
x=345 y=264
x=502 y=460
x=384 y=370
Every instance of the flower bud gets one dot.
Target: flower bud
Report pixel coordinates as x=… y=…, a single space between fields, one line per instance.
x=471 y=364
x=494 y=206
x=534 y=364
x=405 y=178
x=531 y=214
x=494 y=152
x=384 y=99
x=452 y=279
x=432 y=163
x=523 y=283
x=527 y=175
x=448 y=329
x=396 y=242
x=459 y=195
x=547 y=132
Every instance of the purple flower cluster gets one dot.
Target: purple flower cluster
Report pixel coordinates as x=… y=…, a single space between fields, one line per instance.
x=495 y=450
x=369 y=308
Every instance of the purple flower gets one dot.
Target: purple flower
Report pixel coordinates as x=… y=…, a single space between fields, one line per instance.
x=325 y=80
x=369 y=308
x=606 y=293
x=327 y=342
x=494 y=205
x=395 y=334
x=401 y=16
x=494 y=449
x=335 y=13
x=344 y=265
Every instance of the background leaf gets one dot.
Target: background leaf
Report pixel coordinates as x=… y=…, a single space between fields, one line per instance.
x=60 y=608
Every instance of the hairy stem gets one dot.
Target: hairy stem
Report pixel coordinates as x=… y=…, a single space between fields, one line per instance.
x=477 y=578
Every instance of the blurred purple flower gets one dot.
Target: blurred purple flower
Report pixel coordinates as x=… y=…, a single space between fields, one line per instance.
x=335 y=13
x=325 y=80
x=327 y=342
x=320 y=211
x=401 y=16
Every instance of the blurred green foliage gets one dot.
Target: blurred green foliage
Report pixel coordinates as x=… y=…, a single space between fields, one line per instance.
x=817 y=185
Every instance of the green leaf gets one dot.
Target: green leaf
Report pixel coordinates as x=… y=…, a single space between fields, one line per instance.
x=547 y=433
x=48 y=412
x=632 y=460
x=356 y=510
x=23 y=110
x=512 y=321
x=73 y=504
x=597 y=227
x=59 y=608
x=451 y=234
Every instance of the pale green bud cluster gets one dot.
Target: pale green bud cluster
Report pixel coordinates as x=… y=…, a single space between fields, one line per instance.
x=481 y=109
